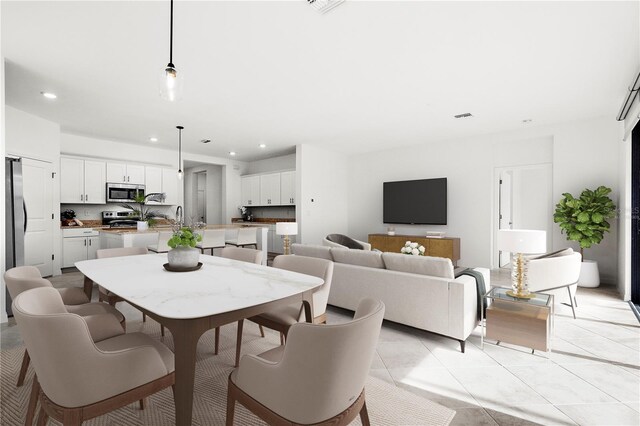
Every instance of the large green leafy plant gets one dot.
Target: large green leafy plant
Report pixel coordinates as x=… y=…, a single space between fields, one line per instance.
x=584 y=219
x=184 y=237
x=143 y=211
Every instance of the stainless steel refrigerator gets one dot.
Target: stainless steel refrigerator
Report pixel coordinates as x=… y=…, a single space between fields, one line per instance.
x=16 y=218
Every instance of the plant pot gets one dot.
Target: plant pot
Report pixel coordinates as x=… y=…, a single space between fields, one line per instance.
x=142 y=225
x=589 y=274
x=183 y=257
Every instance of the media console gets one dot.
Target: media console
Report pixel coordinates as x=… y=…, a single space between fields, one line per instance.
x=438 y=247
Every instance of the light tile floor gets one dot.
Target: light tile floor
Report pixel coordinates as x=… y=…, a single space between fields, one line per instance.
x=592 y=376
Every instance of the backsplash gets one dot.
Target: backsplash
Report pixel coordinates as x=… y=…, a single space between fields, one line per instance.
x=288 y=212
x=94 y=211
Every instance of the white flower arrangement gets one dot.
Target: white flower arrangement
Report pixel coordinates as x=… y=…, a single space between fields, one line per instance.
x=413 y=249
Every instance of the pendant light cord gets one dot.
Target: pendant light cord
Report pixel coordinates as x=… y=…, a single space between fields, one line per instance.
x=171 y=35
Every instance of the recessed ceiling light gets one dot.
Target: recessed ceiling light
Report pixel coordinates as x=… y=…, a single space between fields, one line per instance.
x=527 y=120
x=232 y=153
x=205 y=140
x=465 y=115
x=153 y=139
x=49 y=95
x=262 y=145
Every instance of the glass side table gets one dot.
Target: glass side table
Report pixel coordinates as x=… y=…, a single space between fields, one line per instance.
x=522 y=322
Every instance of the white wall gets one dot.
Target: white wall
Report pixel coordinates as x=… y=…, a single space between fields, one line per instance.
x=3 y=313
x=34 y=137
x=213 y=192
x=321 y=188
x=284 y=162
x=584 y=154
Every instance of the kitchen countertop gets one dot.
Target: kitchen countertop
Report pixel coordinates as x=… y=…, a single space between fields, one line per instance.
x=123 y=231
x=266 y=220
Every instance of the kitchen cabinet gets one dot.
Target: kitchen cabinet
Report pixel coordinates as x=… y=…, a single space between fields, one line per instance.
x=171 y=186
x=79 y=244
x=82 y=181
x=270 y=189
x=287 y=188
x=250 y=190
x=125 y=173
x=152 y=181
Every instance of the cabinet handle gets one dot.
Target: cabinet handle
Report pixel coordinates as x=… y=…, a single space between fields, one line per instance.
x=81 y=197
x=127 y=178
x=86 y=197
x=124 y=178
x=85 y=242
x=89 y=243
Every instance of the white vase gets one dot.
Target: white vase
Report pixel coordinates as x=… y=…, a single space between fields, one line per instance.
x=142 y=225
x=589 y=274
x=183 y=257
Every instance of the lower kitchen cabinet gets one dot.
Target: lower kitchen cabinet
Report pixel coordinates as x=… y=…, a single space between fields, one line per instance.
x=79 y=244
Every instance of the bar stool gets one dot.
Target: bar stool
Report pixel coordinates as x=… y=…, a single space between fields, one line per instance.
x=211 y=239
x=161 y=246
x=246 y=237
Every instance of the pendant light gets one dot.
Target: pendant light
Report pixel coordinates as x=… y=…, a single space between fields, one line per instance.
x=179 y=151
x=171 y=79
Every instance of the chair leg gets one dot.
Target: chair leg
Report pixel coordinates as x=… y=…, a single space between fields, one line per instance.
x=239 y=342
x=261 y=330
x=575 y=301
x=42 y=417
x=144 y=317
x=72 y=417
x=33 y=401
x=571 y=300
x=162 y=330
x=23 y=369
x=142 y=404
x=231 y=408
x=364 y=415
x=217 y=341
x=281 y=338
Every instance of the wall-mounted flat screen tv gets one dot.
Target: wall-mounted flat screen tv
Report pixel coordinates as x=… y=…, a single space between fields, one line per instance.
x=420 y=202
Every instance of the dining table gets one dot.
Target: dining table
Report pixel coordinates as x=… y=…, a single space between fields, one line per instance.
x=222 y=291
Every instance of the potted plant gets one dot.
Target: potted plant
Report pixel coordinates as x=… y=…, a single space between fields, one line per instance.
x=584 y=220
x=183 y=253
x=143 y=212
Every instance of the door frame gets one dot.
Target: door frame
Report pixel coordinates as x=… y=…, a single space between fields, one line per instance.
x=635 y=215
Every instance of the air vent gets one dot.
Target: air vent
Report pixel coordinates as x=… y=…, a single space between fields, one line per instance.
x=205 y=140
x=323 y=6
x=465 y=115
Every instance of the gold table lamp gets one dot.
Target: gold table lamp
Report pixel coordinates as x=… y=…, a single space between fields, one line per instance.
x=287 y=229
x=519 y=242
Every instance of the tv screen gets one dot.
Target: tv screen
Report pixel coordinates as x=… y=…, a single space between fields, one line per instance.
x=420 y=202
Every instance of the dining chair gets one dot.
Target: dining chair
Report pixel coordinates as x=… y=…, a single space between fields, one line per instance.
x=283 y=318
x=105 y=295
x=23 y=278
x=211 y=239
x=161 y=245
x=242 y=255
x=317 y=378
x=79 y=376
x=246 y=236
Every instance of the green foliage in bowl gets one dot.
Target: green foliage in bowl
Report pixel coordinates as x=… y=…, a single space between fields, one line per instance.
x=184 y=237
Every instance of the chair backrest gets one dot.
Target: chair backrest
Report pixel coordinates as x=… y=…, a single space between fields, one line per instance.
x=326 y=366
x=247 y=235
x=242 y=254
x=163 y=240
x=321 y=268
x=22 y=278
x=344 y=241
x=120 y=251
x=213 y=238
x=554 y=271
x=71 y=370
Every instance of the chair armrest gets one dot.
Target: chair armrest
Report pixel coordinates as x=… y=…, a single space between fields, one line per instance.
x=73 y=296
x=103 y=326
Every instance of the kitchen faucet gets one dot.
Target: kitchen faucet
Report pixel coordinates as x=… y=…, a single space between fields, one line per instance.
x=179 y=215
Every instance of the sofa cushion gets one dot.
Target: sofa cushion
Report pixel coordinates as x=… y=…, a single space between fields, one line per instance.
x=370 y=259
x=423 y=265
x=321 y=252
x=343 y=240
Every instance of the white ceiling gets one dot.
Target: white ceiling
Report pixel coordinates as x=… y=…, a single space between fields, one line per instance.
x=364 y=77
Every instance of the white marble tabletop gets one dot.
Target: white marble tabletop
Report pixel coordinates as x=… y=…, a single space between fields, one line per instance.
x=221 y=285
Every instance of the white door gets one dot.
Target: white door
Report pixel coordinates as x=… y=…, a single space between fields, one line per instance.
x=135 y=174
x=201 y=196
x=152 y=181
x=505 y=211
x=288 y=188
x=73 y=250
x=38 y=198
x=116 y=173
x=170 y=186
x=95 y=188
x=71 y=180
x=93 y=245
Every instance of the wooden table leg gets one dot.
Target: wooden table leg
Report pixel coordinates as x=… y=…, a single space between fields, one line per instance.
x=307 y=302
x=88 y=287
x=186 y=334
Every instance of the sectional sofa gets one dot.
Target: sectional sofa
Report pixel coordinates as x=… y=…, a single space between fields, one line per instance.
x=418 y=291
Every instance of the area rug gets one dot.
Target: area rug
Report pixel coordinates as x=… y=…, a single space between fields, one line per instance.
x=387 y=404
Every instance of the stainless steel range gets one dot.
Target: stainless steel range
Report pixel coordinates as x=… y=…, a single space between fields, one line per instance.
x=119 y=219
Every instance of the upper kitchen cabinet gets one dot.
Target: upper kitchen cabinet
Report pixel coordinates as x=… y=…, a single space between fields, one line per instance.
x=287 y=188
x=250 y=190
x=270 y=189
x=82 y=181
x=125 y=173
x=152 y=181
x=170 y=186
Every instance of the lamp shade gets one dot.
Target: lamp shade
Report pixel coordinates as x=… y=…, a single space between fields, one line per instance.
x=286 y=228
x=522 y=240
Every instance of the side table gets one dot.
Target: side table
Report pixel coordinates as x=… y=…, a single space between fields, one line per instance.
x=522 y=322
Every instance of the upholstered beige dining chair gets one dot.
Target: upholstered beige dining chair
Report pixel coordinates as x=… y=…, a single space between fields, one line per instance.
x=243 y=255
x=211 y=239
x=283 y=318
x=161 y=245
x=318 y=377
x=84 y=368
x=105 y=295
x=246 y=237
x=23 y=278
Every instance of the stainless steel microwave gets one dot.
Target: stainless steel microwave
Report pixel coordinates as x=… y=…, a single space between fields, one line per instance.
x=123 y=192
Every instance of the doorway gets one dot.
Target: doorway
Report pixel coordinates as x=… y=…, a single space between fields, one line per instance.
x=200 y=190
x=635 y=215
x=524 y=202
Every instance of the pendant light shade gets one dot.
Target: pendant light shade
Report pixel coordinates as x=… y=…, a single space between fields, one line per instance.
x=170 y=79
x=179 y=151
